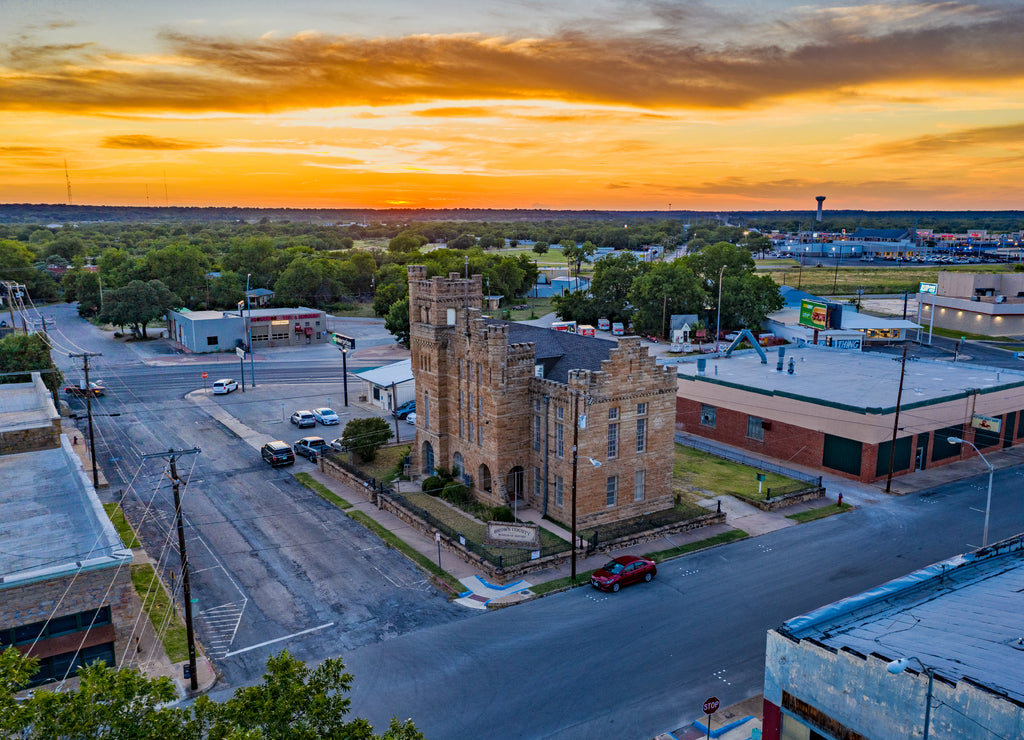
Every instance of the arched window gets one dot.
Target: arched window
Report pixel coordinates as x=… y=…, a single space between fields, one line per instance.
x=458 y=466
x=485 y=477
x=428 y=458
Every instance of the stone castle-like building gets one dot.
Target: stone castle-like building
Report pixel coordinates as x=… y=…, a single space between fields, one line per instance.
x=496 y=403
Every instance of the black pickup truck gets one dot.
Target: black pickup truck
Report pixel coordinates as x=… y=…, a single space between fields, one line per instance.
x=94 y=388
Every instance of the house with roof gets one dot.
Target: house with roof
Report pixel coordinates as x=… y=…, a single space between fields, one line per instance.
x=936 y=653
x=504 y=405
x=389 y=386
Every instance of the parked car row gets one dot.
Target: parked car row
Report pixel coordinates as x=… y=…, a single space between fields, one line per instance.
x=279 y=452
x=325 y=416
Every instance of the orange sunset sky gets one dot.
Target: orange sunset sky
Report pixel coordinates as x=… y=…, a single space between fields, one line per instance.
x=608 y=104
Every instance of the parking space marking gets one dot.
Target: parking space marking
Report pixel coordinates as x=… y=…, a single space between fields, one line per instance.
x=278 y=639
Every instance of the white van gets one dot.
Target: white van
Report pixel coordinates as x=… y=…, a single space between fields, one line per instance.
x=617 y=329
x=224 y=385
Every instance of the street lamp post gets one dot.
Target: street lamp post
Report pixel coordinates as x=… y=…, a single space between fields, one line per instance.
x=718 y=318
x=991 y=470
x=898 y=666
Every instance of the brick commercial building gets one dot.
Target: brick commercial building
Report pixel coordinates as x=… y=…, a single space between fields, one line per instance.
x=837 y=410
x=496 y=402
x=66 y=596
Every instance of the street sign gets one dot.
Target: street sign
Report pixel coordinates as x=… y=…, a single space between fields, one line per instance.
x=342 y=341
x=711 y=705
x=760 y=476
x=240 y=352
x=205 y=376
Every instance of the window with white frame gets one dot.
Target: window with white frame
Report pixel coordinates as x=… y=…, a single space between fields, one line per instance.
x=641 y=409
x=641 y=435
x=639 y=483
x=612 y=490
x=536 y=432
x=613 y=441
x=559 y=440
x=755 y=428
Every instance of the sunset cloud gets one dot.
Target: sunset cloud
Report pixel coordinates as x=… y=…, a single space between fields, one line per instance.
x=310 y=70
x=141 y=141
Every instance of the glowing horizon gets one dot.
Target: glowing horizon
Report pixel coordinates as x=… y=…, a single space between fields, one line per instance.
x=606 y=105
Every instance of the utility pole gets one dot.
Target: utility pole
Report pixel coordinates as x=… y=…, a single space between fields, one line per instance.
x=186 y=590
x=896 y=422
x=88 y=410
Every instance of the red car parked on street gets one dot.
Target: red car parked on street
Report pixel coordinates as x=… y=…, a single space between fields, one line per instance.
x=623 y=571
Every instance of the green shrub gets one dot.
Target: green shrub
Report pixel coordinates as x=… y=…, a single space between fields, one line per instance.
x=502 y=514
x=455 y=493
x=432 y=485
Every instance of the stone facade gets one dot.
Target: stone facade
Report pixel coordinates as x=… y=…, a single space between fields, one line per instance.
x=489 y=408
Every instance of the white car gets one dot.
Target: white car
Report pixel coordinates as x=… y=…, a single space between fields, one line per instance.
x=326 y=416
x=411 y=418
x=224 y=385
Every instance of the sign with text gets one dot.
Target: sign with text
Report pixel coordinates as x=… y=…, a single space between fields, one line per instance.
x=711 y=705
x=342 y=341
x=513 y=535
x=813 y=314
x=928 y=288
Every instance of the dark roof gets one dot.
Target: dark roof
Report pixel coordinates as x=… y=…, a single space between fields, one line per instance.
x=559 y=351
x=677 y=320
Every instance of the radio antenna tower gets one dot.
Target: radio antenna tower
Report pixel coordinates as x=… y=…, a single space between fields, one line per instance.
x=67 y=177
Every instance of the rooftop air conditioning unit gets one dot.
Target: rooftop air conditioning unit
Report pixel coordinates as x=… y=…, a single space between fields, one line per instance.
x=1000 y=299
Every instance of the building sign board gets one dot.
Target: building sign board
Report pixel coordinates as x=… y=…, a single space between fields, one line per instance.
x=928 y=288
x=813 y=314
x=342 y=341
x=989 y=423
x=513 y=535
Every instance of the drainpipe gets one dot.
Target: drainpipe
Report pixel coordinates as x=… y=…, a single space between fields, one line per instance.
x=547 y=404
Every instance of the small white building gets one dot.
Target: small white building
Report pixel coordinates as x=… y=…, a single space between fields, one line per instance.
x=390 y=386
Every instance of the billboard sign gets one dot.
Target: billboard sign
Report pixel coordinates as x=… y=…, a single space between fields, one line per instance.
x=813 y=314
x=928 y=288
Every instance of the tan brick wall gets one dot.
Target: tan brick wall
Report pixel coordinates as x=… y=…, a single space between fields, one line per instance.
x=35 y=602
x=469 y=377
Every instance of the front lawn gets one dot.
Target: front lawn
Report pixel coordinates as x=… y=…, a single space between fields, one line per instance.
x=698 y=474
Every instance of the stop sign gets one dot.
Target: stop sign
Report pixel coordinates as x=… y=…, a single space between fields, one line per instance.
x=711 y=705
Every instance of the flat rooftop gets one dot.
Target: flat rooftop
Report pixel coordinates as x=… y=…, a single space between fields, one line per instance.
x=861 y=381
x=26 y=405
x=53 y=522
x=961 y=617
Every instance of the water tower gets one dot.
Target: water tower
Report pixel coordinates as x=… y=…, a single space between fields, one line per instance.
x=820 y=199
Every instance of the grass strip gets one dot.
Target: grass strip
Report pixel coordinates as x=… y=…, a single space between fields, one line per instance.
x=124 y=529
x=322 y=491
x=583 y=579
x=157 y=605
x=403 y=547
x=820 y=513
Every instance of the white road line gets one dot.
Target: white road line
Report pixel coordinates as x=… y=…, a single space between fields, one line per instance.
x=279 y=639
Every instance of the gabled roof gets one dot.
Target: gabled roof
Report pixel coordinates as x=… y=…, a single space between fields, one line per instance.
x=677 y=320
x=559 y=351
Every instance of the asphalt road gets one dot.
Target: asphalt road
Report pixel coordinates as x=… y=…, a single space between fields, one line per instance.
x=272 y=564
x=583 y=664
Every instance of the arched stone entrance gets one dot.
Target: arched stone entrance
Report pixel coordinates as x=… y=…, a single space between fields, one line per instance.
x=515 y=484
x=484 y=474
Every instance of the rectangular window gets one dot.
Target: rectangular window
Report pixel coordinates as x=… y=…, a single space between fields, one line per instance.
x=559 y=440
x=707 y=416
x=479 y=373
x=639 y=482
x=471 y=401
x=641 y=409
x=559 y=413
x=462 y=428
x=536 y=404
x=536 y=432
x=479 y=403
x=613 y=441
x=479 y=434
x=470 y=431
x=536 y=482
x=612 y=491
x=755 y=430
x=613 y=413
x=461 y=400
x=426 y=409
x=641 y=435
x=211 y=341
x=558 y=490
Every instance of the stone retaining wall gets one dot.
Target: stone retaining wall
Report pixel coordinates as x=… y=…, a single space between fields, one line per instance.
x=788 y=499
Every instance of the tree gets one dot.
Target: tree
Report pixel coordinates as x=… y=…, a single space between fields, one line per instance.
x=366 y=436
x=137 y=304
x=182 y=268
x=27 y=352
x=397 y=321
x=541 y=248
x=292 y=701
x=575 y=253
x=392 y=284
x=613 y=276
x=666 y=288
x=310 y=281
x=406 y=242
